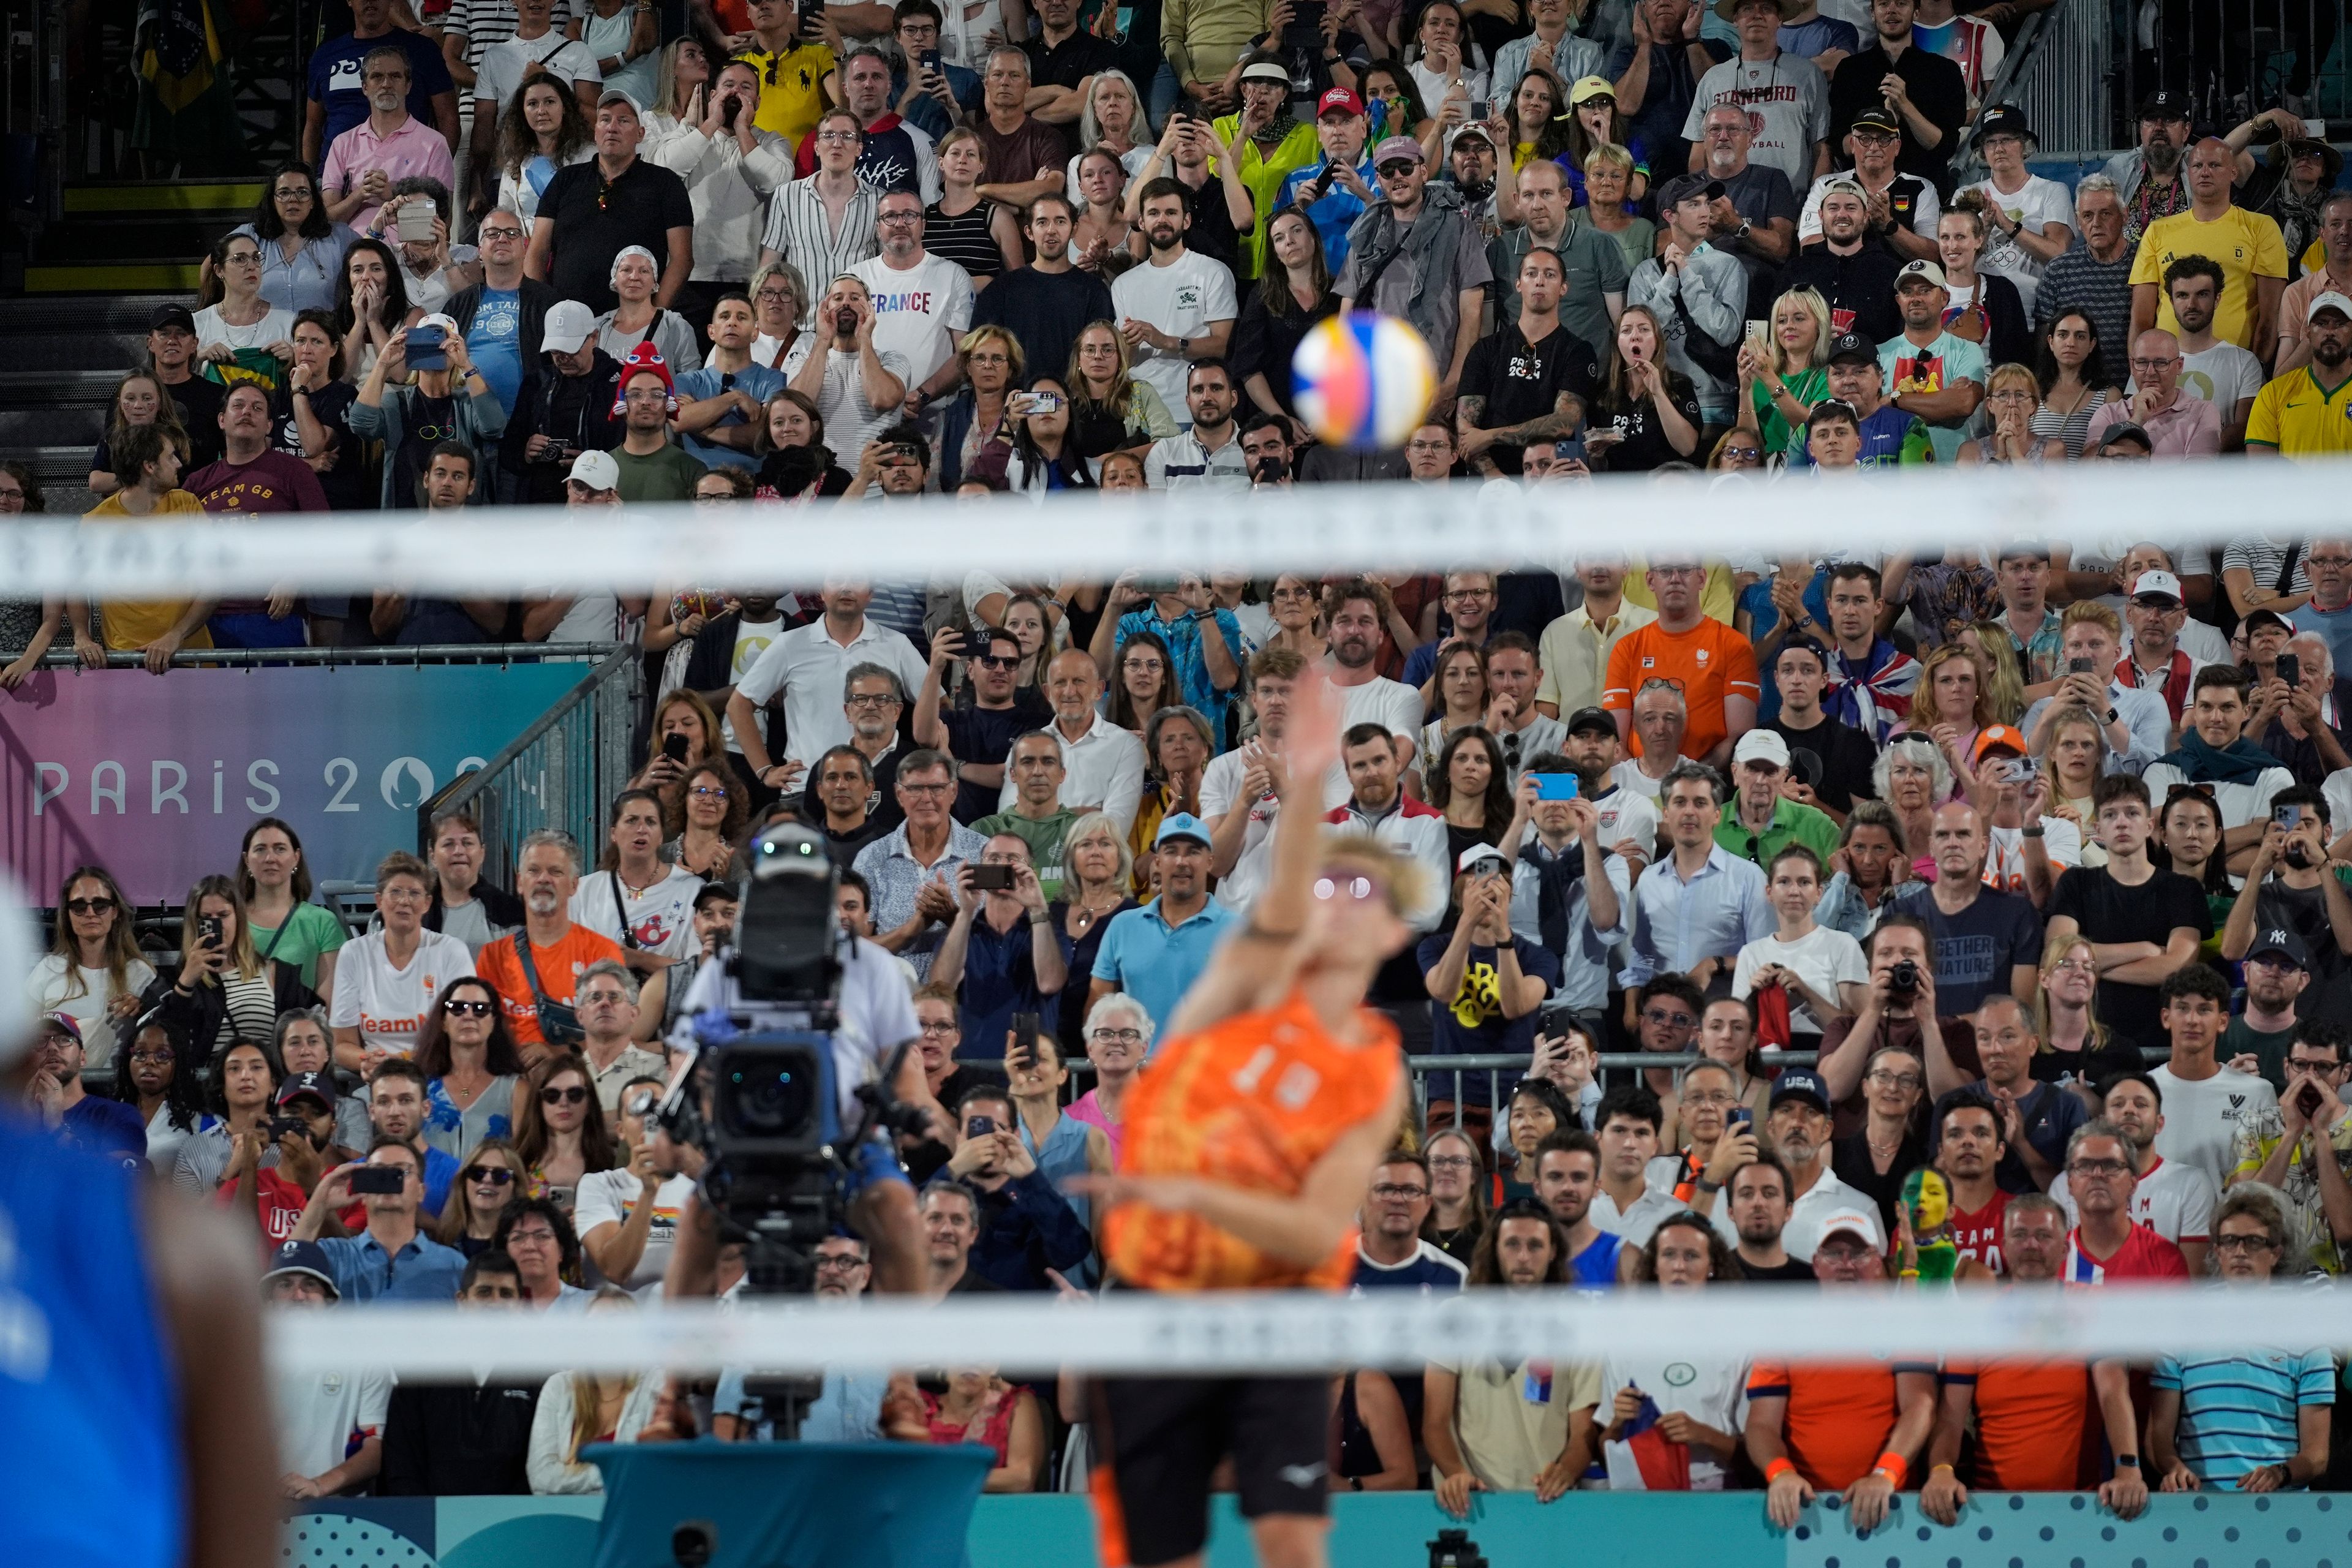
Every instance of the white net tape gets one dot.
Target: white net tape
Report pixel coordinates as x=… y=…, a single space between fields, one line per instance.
x=1231 y=1333
x=1320 y=528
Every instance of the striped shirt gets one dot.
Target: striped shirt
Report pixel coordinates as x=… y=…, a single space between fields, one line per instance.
x=801 y=230
x=488 y=22
x=2238 y=1413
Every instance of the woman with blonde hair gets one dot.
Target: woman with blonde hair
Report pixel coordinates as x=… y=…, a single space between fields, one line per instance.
x=1784 y=381
x=2013 y=400
x=780 y=310
x=1609 y=173
x=1950 y=706
x=976 y=426
x=577 y=1409
x=1913 y=777
x=2077 y=1048
x=1997 y=671
x=2073 y=746
x=685 y=713
x=1109 y=408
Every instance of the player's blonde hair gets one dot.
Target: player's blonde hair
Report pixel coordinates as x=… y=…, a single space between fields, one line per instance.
x=1404 y=878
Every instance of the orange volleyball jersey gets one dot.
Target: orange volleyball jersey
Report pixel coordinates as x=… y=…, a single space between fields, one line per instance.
x=1252 y=1101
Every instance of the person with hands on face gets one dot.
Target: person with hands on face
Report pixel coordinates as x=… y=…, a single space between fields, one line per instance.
x=1814 y=1429
x=2257 y=1421
x=55 y=1095
x=1026 y=1229
x=1484 y=1431
x=859 y=387
x=2300 y=1149
x=1001 y=953
x=1486 y=980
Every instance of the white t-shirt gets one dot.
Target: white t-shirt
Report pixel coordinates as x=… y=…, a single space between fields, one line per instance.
x=661 y=918
x=2223 y=375
x=1392 y=705
x=611 y=1196
x=1221 y=788
x=1630 y=779
x=811 y=670
x=276 y=326
x=1623 y=813
x=2201 y=1120
x=1822 y=958
x=2174 y=1200
x=319 y=1413
x=389 y=1005
x=2034 y=206
x=2061 y=841
x=850 y=421
x=1705 y=1388
x=2241 y=803
x=52 y=978
x=1786 y=100
x=1185 y=299
x=505 y=62
x=917 y=312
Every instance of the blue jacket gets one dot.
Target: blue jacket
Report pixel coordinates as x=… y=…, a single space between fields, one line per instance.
x=1026 y=1229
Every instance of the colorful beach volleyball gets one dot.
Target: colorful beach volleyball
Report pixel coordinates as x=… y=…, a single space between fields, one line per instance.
x=1363 y=380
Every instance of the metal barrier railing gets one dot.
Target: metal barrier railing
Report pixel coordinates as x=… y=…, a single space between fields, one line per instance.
x=560 y=773
x=431 y=652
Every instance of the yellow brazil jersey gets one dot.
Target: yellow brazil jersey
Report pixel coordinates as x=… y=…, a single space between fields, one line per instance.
x=2246 y=246
x=792 y=91
x=2301 y=418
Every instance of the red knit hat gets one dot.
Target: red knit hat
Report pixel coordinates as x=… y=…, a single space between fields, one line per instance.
x=643 y=358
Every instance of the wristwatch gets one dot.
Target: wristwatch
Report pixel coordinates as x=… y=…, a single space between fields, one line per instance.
x=2127 y=1461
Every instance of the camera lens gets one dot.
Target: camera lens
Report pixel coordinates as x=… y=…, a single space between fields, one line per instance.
x=769 y=1095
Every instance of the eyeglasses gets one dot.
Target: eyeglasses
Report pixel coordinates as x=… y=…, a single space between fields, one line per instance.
x=1718 y=1097
x=89 y=906
x=923 y=789
x=2097 y=1168
x=2150 y=366
x=1668 y=1018
x=902 y=218
x=937 y=1027
x=1123 y=1037
x=576 y=1094
x=1390 y=1192
x=160 y=1057
x=496 y=1175
x=1459 y=594
x=871 y=699
x=293 y=193
x=2327 y=1069
x=1452 y=1163
x=644 y=394
x=839 y=1262
x=501 y=233
x=708 y=791
x=468 y=1009
x=242 y=259
x=538 y=1235
x=2245 y=1244
x=838 y=137
x=1891 y=1079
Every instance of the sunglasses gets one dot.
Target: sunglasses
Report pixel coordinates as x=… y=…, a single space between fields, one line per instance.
x=1397 y=168
x=89 y=906
x=468 y=1009
x=576 y=1095
x=997 y=660
x=497 y=1175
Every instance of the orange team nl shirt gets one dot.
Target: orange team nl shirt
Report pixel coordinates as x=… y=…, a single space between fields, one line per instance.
x=1712 y=662
x=559 y=971
x=1252 y=1101
x=1839 y=1414
x=2030 y=1419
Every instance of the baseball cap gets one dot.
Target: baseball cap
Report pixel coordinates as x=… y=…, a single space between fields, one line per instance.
x=1844 y=185
x=1589 y=88
x=597 y=470
x=1683 y=187
x=1478 y=855
x=319 y=1086
x=448 y=324
x=2121 y=431
x=2282 y=941
x=170 y=316
x=1181 y=825
x=2157 y=585
x=2004 y=120
x=1268 y=70
x=2164 y=103
x=1586 y=718
x=1852 y=345
x=1396 y=147
x=303 y=1258
x=569 y=323
x=1473 y=128
x=1761 y=746
x=1876 y=118
x=2257 y=619
x=1993 y=735
x=2328 y=300
x=620 y=95
x=1922 y=268
x=1853 y=1221
x=1801 y=1083
x=1339 y=99
x=64 y=1024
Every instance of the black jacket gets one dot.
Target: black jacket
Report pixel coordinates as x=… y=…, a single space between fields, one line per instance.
x=200 y=1017
x=457 y=1440
x=504 y=908
x=593 y=428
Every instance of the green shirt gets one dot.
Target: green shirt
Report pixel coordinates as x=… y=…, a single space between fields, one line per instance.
x=2271 y=1049
x=1596 y=268
x=308 y=931
x=1044 y=834
x=1807 y=386
x=667 y=475
x=1794 y=822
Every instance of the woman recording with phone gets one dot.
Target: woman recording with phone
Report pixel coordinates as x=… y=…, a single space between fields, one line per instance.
x=224 y=991
x=450 y=402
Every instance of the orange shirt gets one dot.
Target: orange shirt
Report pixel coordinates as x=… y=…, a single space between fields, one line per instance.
x=1252 y=1101
x=559 y=968
x=1710 y=661
x=1839 y=1414
x=2030 y=1416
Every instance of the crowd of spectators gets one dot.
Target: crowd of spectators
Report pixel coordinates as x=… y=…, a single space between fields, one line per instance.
x=1986 y=910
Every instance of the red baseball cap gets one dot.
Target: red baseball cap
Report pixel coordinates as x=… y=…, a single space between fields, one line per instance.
x=1338 y=98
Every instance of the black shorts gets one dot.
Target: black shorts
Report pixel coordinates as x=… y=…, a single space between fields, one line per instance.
x=1159 y=1440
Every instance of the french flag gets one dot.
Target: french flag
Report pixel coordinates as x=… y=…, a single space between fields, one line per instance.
x=1646 y=1459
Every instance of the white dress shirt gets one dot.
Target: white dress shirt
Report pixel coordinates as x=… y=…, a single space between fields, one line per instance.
x=811 y=670
x=1104 y=766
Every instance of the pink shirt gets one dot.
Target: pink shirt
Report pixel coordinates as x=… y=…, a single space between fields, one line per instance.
x=2192 y=427
x=414 y=149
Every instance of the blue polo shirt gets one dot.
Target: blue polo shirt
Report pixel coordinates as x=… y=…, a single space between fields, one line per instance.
x=1000 y=979
x=1154 y=964
x=425 y=1270
x=756 y=381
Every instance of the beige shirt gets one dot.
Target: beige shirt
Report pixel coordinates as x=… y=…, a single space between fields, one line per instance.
x=634 y=1061
x=1575 y=655
x=1507 y=1439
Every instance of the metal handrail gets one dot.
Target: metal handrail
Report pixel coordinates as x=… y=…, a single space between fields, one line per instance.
x=2022 y=52
x=435 y=653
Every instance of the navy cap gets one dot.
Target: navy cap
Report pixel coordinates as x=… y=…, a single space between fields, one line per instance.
x=303 y=1258
x=2283 y=943
x=1801 y=1083
x=1591 y=719
x=317 y=1085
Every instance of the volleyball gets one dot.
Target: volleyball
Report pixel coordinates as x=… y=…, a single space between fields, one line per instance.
x=1363 y=380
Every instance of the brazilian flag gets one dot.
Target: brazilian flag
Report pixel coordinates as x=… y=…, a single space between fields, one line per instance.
x=186 y=115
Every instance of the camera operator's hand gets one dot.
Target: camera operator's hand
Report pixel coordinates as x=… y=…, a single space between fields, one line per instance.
x=1013 y=1156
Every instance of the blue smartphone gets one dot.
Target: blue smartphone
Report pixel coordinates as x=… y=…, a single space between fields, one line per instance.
x=1555 y=787
x=424 y=349
x=1739 y=1116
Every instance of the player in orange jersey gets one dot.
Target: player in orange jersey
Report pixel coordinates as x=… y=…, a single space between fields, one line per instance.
x=1248 y=1144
